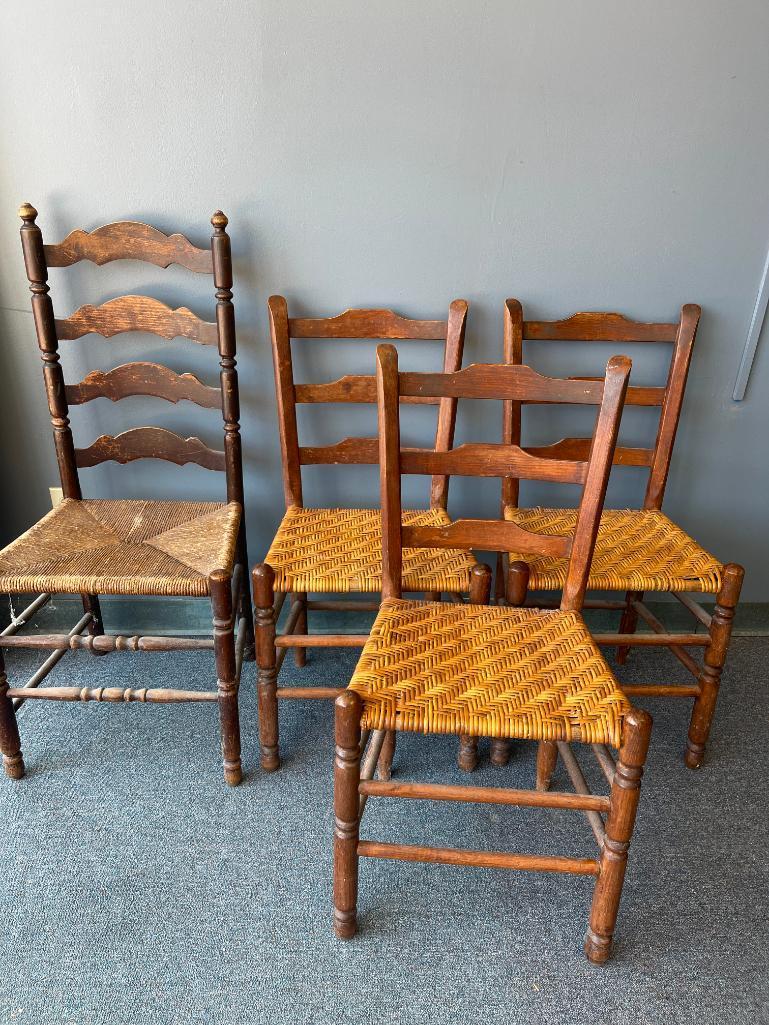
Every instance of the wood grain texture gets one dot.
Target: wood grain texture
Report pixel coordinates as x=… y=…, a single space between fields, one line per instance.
x=501 y=381
x=349 y=451
x=350 y=388
x=594 y=491
x=367 y=324
x=149 y=443
x=137 y=313
x=486 y=535
x=579 y=448
x=598 y=327
x=484 y=460
x=143 y=379
x=128 y=240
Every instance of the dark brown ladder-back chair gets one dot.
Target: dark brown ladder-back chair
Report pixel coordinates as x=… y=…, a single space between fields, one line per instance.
x=482 y=670
x=637 y=550
x=88 y=547
x=328 y=551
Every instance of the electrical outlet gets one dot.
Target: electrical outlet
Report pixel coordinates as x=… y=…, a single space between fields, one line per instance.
x=57 y=495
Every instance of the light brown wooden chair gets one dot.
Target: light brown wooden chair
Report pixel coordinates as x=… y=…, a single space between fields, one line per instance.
x=129 y=547
x=338 y=551
x=637 y=550
x=479 y=670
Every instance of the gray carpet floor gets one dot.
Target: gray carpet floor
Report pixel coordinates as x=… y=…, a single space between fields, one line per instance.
x=137 y=887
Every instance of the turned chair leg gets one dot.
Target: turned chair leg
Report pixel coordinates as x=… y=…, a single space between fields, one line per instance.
x=628 y=623
x=220 y=583
x=499 y=753
x=266 y=661
x=625 y=791
x=96 y=626
x=384 y=764
x=346 y=812
x=300 y=654
x=715 y=657
x=10 y=742
x=547 y=756
x=245 y=611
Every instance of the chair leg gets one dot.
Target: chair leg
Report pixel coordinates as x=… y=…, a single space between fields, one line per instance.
x=220 y=583
x=625 y=791
x=300 y=654
x=244 y=598
x=715 y=657
x=385 y=763
x=346 y=812
x=547 y=756
x=266 y=662
x=467 y=755
x=628 y=623
x=499 y=753
x=96 y=626
x=10 y=742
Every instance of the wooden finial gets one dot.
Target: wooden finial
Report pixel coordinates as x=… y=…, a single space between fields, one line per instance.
x=219 y=221
x=27 y=213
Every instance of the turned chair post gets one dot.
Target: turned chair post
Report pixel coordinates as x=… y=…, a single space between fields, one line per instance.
x=515 y=587
x=220 y=583
x=623 y=803
x=10 y=741
x=221 y=258
x=42 y=308
x=715 y=656
x=266 y=661
x=480 y=591
x=348 y=709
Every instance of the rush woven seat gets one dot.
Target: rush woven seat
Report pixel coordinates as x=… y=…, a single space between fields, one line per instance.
x=123 y=547
x=340 y=550
x=487 y=671
x=636 y=550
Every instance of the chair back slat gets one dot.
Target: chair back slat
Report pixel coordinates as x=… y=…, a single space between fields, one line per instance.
x=149 y=443
x=137 y=313
x=350 y=388
x=150 y=379
x=349 y=452
x=487 y=535
x=597 y=327
x=610 y=327
x=368 y=324
x=495 y=382
x=128 y=240
x=361 y=324
x=476 y=460
x=131 y=240
x=500 y=381
x=579 y=448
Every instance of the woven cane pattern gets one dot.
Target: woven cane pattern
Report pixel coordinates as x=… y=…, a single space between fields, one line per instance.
x=487 y=671
x=636 y=550
x=340 y=550
x=123 y=547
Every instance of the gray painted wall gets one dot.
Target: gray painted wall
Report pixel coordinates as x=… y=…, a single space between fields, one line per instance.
x=588 y=155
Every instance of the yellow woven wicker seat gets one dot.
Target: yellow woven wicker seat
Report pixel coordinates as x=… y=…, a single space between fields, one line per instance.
x=487 y=671
x=123 y=547
x=636 y=550
x=340 y=550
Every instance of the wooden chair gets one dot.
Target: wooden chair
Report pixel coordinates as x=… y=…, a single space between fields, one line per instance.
x=92 y=547
x=338 y=551
x=482 y=670
x=637 y=550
